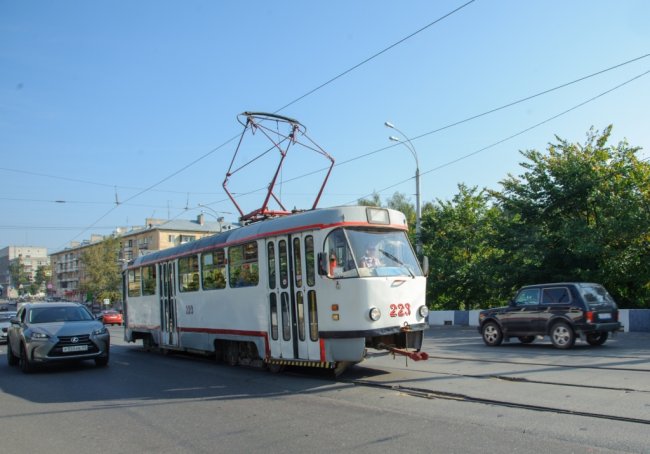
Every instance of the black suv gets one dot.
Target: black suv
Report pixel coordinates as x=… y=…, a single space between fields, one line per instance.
x=562 y=311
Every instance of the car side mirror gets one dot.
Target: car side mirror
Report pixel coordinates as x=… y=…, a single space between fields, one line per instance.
x=14 y=321
x=425 y=266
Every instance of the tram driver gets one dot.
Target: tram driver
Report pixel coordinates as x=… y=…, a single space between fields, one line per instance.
x=370 y=260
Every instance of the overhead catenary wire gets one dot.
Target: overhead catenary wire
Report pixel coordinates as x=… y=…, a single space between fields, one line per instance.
x=512 y=136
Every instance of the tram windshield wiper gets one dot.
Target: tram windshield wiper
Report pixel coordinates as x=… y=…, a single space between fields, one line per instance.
x=398 y=261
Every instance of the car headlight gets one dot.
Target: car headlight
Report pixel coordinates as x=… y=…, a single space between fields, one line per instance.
x=99 y=331
x=374 y=314
x=39 y=337
x=423 y=311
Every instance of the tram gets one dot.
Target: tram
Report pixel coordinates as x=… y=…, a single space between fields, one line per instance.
x=294 y=290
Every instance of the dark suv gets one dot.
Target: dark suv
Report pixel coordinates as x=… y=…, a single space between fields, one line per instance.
x=562 y=311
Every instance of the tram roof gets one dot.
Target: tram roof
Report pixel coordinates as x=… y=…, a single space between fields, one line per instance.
x=298 y=222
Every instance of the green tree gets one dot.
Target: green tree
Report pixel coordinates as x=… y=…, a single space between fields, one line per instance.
x=457 y=237
x=373 y=201
x=19 y=277
x=579 y=212
x=102 y=278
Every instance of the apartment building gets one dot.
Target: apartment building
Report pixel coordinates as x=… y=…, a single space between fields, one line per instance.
x=155 y=235
x=32 y=257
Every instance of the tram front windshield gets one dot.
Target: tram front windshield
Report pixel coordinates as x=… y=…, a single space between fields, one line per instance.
x=365 y=252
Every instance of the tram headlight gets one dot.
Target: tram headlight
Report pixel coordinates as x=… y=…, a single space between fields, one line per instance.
x=374 y=314
x=423 y=311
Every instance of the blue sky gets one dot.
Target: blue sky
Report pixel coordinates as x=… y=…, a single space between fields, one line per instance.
x=106 y=99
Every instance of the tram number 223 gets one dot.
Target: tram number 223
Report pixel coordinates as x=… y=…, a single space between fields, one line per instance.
x=400 y=310
x=189 y=309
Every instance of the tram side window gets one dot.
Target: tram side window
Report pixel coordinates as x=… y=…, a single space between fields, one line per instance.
x=297 y=263
x=213 y=269
x=188 y=273
x=313 y=315
x=310 y=261
x=134 y=282
x=271 y=259
x=243 y=267
x=149 y=280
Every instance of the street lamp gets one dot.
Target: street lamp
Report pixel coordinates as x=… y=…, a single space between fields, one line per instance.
x=216 y=215
x=409 y=145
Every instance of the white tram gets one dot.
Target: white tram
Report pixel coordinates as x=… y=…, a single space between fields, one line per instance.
x=293 y=290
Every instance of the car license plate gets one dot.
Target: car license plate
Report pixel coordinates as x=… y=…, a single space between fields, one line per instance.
x=75 y=348
x=605 y=316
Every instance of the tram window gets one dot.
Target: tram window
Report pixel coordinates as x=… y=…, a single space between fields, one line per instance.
x=284 y=264
x=313 y=315
x=340 y=256
x=188 y=273
x=213 y=270
x=286 y=320
x=134 y=282
x=297 y=264
x=310 y=263
x=301 y=316
x=274 y=316
x=242 y=265
x=149 y=280
x=271 y=263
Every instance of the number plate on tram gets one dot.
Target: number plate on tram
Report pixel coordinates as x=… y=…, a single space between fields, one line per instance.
x=75 y=348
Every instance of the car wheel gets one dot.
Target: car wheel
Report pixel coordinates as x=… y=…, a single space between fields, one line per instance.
x=492 y=334
x=597 y=338
x=12 y=359
x=526 y=339
x=24 y=362
x=562 y=336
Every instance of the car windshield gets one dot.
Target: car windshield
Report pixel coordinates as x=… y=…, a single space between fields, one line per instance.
x=365 y=252
x=58 y=314
x=595 y=294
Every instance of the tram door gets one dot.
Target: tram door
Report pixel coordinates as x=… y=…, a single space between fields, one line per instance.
x=289 y=326
x=169 y=335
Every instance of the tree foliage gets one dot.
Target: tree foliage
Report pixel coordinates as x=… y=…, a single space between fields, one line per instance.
x=19 y=276
x=580 y=212
x=102 y=279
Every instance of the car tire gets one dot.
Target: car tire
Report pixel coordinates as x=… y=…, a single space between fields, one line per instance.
x=598 y=338
x=562 y=336
x=526 y=339
x=12 y=359
x=24 y=362
x=492 y=334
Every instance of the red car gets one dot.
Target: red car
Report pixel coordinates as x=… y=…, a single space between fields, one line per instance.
x=111 y=318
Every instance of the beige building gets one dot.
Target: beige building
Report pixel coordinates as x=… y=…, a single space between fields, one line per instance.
x=155 y=235
x=32 y=257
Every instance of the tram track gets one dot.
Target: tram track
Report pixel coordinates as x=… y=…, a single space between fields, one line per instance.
x=529 y=381
x=460 y=397
x=542 y=364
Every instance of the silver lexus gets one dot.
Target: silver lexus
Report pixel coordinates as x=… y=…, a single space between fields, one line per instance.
x=43 y=333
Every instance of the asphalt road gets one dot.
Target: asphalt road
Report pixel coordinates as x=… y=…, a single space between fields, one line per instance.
x=466 y=398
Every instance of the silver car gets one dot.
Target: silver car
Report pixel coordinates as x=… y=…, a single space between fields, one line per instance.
x=5 y=317
x=42 y=333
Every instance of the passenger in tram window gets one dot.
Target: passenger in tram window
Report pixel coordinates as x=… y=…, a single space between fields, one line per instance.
x=370 y=260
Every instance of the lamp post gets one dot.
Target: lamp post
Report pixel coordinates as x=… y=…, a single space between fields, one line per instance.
x=409 y=145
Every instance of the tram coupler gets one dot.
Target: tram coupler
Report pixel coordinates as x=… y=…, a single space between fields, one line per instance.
x=415 y=356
